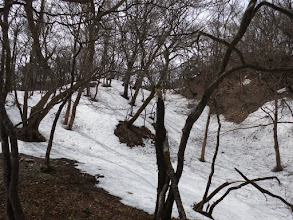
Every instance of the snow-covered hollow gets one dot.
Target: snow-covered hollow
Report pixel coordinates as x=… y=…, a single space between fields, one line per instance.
x=132 y=173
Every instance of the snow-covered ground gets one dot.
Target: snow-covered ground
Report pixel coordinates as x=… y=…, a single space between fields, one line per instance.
x=132 y=173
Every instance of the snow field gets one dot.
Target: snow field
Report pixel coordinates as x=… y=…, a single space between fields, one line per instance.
x=131 y=174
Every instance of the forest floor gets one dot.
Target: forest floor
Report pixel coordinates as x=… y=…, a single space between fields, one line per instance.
x=65 y=193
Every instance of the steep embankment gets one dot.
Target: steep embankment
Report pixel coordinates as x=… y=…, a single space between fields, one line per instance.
x=131 y=173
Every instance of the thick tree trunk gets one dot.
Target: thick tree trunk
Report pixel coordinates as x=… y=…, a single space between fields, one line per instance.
x=159 y=142
x=30 y=132
x=7 y=131
x=6 y=168
x=166 y=171
x=10 y=164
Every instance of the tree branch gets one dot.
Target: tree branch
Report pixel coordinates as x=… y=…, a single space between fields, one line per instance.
x=264 y=190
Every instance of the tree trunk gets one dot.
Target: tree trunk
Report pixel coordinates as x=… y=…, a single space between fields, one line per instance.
x=96 y=93
x=202 y=157
x=40 y=110
x=6 y=169
x=10 y=164
x=88 y=91
x=30 y=132
x=67 y=111
x=128 y=75
x=126 y=85
x=47 y=166
x=137 y=87
x=276 y=143
x=166 y=171
x=25 y=107
x=73 y=113
x=162 y=175
x=144 y=105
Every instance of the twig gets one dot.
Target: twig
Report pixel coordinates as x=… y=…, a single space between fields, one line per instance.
x=257 y=126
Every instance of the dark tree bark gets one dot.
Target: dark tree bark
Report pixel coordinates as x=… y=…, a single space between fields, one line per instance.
x=165 y=170
x=6 y=168
x=10 y=164
x=8 y=138
x=162 y=171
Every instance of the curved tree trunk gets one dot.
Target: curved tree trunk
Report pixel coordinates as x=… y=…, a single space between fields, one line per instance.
x=47 y=166
x=30 y=132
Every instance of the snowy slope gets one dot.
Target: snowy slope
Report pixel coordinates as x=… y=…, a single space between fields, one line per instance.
x=132 y=173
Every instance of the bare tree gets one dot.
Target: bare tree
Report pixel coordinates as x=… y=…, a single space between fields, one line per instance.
x=40 y=110
x=222 y=73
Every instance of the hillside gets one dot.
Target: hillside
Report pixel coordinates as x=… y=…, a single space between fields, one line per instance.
x=241 y=94
x=131 y=173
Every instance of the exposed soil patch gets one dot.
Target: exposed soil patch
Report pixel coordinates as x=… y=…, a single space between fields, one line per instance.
x=133 y=135
x=239 y=94
x=64 y=194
